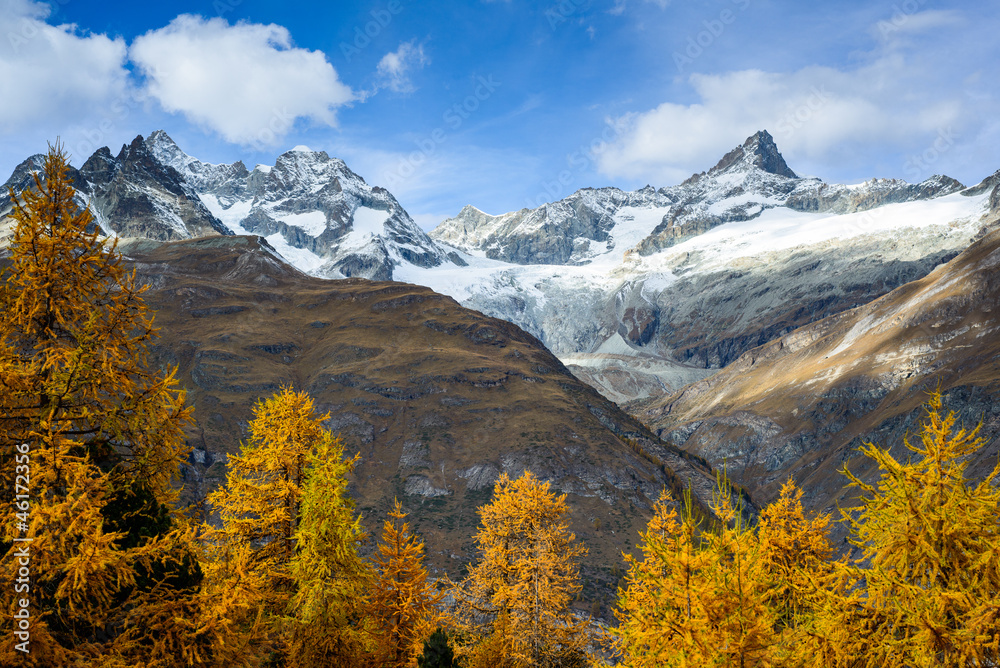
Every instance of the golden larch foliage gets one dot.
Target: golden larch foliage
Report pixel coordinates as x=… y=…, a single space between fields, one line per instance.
x=515 y=602
x=727 y=596
x=926 y=589
x=109 y=553
x=328 y=627
x=285 y=560
x=403 y=604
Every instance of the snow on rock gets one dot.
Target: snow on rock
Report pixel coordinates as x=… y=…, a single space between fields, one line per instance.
x=313 y=209
x=696 y=274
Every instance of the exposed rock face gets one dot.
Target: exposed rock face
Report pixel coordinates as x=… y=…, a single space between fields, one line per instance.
x=801 y=404
x=822 y=197
x=130 y=195
x=701 y=272
x=438 y=400
x=134 y=195
x=311 y=208
x=758 y=151
x=563 y=232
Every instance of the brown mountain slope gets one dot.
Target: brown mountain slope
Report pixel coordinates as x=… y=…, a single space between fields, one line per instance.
x=438 y=399
x=802 y=404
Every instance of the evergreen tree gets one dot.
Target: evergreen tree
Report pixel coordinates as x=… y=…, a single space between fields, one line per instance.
x=96 y=436
x=516 y=600
x=437 y=652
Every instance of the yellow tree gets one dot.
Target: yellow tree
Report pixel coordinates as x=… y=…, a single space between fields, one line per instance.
x=731 y=595
x=96 y=437
x=328 y=626
x=792 y=565
x=403 y=604
x=926 y=589
x=659 y=609
x=692 y=599
x=288 y=536
x=515 y=602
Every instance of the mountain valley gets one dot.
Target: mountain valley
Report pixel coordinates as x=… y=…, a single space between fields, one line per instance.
x=754 y=319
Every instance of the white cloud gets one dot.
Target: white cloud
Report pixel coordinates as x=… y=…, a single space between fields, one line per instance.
x=54 y=75
x=901 y=23
x=817 y=115
x=395 y=67
x=245 y=81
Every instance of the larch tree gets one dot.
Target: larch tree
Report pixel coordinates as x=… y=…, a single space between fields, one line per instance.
x=285 y=557
x=659 y=609
x=515 y=602
x=731 y=594
x=793 y=564
x=403 y=603
x=691 y=599
x=92 y=434
x=328 y=625
x=926 y=589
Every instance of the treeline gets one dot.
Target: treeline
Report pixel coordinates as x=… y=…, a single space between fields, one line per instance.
x=101 y=568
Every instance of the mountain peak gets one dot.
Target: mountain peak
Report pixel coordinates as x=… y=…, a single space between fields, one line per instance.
x=167 y=151
x=759 y=151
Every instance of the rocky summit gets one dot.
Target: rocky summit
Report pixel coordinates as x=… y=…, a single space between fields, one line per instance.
x=641 y=292
x=312 y=208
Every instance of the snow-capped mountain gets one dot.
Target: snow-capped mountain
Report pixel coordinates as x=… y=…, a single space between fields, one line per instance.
x=640 y=292
x=131 y=195
x=313 y=209
x=691 y=276
x=316 y=212
x=803 y=404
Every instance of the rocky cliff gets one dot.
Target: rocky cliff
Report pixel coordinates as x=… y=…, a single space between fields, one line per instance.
x=800 y=405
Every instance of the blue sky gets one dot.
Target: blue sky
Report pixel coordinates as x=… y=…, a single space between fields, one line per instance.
x=510 y=103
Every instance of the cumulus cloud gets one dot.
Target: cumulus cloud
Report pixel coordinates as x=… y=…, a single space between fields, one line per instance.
x=248 y=82
x=395 y=67
x=54 y=75
x=818 y=115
